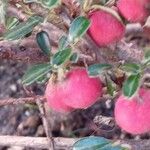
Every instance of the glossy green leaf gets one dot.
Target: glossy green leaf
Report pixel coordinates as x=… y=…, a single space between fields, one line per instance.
x=74 y=58
x=43 y=41
x=63 y=43
x=97 y=69
x=35 y=73
x=61 y=57
x=131 y=85
x=78 y=28
x=90 y=143
x=95 y=143
x=49 y=3
x=23 y=28
x=131 y=68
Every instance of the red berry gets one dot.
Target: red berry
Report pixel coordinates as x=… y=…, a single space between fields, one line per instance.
x=134 y=10
x=133 y=115
x=54 y=94
x=105 y=28
x=77 y=90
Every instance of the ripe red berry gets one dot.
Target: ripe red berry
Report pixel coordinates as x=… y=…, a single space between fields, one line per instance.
x=54 y=94
x=133 y=115
x=105 y=28
x=134 y=10
x=77 y=90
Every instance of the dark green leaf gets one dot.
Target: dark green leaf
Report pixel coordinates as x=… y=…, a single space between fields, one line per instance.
x=131 y=85
x=49 y=3
x=96 y=69
x=61 y=57
x=90 y=143
x=63 y=43
x=23 y=28
x=131 y=67
x=43 y=41
x=74 y=58
x=110 y=87
x=77 y=29
x=35 y=73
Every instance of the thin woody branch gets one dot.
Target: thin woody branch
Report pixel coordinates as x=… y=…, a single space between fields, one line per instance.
x=11 y=101
x=63 y=143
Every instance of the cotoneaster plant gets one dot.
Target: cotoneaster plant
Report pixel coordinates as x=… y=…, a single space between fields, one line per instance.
x=106 y=27
x=77 y=90
x=134 y=10
x=133 y=115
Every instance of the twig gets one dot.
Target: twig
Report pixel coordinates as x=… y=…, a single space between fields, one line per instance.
x=46 y=125
x=16 y=101
x=63 y=143
x=36 y=142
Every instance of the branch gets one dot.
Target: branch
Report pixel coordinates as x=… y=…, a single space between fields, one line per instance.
x=46 y=126
x=11 y=101
x=36 y=142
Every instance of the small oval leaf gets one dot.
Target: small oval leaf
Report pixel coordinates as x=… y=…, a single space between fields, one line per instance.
x=97 y=69
x=131 y=85
x=63 y=43
x=131 y=68
x=43 y=41
x=35 y=73
x=90 y=143
x=61 y=57
x=23 y=28
x=77 y=29
x=74 y=57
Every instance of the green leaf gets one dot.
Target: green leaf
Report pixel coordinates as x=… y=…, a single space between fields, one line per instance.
x=110 y=87
x=43 y=41
x=97 y=69
x=90 y=143
x=95 y=143
x=49 y=3
x=147 y=56
x=23 y=28
x=42 y=79
x=78 y=28
x=11 y=22
x=61 y=57
x=35 y=73
x=63 y=43
x=3 y=9
x=74 y=58
x=131 y=68
x=131 y=85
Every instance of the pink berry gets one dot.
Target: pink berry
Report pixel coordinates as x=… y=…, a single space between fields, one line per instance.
x=105 y=28
x=133 y=115
x=134 y=10
x=54 y=94
x=77 y=90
